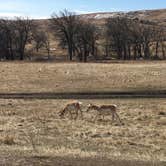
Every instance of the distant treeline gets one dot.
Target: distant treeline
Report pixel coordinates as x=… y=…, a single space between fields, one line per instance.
x=17 y=34
x=120 y=38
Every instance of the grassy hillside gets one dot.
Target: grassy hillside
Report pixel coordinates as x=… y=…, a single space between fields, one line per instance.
x=99 y=18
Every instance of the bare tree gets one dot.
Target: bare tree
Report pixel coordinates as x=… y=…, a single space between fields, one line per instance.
x=7 y=37
x=14 y=35
x=159 y=40
x=133 y=37
x=163 y=42
x=23 y=34
x=118 y=34
x=47 y=44
x=163 y=49
x=85 y=40
x=147 y=39
x=39 y=39
x=65 y=28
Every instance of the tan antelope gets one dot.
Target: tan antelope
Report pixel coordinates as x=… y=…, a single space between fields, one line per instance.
x=72 y=108
x=105 y=110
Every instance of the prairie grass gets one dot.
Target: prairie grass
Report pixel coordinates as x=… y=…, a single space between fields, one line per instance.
x=78 y=77
x=31 y=131
x=38 y=131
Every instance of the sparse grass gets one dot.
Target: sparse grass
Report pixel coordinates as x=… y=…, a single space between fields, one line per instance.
x=31 y=130
x=142 y=138
x=78 y=77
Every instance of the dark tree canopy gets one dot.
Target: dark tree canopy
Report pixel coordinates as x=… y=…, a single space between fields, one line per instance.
x=14 y=35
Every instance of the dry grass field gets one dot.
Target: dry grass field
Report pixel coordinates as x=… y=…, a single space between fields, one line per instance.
x=79 y=77
x=32 y=132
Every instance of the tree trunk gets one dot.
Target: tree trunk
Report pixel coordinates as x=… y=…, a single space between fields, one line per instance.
x=135 y=52
x=119 y=51
x=125 y=53
x=85 y=54
x=146 y=51
x=106 y=51
x=157 y=46
x=70 y=53
x=139 y=51
x=163 y=51
x=21 y=54
x=129 y=52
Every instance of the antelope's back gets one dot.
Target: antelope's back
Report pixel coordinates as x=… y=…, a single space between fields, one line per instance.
x=107 y=109
x=112 y=106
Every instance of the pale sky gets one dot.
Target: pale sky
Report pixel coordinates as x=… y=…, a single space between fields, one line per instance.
x=44 y=8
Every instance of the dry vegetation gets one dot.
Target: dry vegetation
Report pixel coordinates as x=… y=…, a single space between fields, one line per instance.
x=31 y=132
x=79 y=77
x=32 y=129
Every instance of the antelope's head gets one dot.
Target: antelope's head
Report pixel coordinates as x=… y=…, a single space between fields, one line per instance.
x=90 y=107
x=80 y=103
x=61 y=113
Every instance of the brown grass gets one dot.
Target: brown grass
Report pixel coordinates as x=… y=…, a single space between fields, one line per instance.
x=37 y=130
x=78 y=77
x=8 y=140
x=31 y=131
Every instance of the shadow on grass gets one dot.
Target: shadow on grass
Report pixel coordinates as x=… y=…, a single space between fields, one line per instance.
x=66 y=161
x=86 y=95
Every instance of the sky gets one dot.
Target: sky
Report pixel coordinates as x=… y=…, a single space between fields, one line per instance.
x=44 y=8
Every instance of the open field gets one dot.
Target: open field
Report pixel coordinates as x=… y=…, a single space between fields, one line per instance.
x=78 y=77
x=35 y=89
x=32 y=132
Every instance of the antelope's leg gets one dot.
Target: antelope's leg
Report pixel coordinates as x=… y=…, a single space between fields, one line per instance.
x=96 y=117
x=81 y=114
x=117 y=117
x=71 y=115
x=76 y=116
x=113 y=116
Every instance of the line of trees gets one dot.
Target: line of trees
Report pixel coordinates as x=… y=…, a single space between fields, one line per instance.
x=120 y=38
x=78 y=36
x=16 y=34
x=134 y=39
x=124 y=38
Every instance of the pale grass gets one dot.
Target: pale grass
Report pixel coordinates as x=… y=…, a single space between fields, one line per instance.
x=79 y=77
x=142 y=137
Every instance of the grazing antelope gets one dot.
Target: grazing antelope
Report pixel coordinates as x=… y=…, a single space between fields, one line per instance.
x=105 y=110
x=72 y=108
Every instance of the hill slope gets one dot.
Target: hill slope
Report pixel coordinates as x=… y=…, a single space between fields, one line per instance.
x=99 y=19
x=158 y=16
